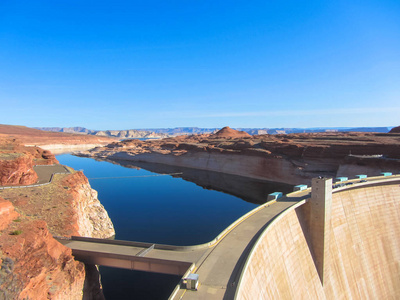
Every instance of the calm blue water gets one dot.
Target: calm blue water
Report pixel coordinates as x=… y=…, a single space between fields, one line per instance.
x=160 y=209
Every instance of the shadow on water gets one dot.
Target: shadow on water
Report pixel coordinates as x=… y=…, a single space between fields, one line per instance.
x=251 y=190
x=127 y=284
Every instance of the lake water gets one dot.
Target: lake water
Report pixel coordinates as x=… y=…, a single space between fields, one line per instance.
x=186 y=209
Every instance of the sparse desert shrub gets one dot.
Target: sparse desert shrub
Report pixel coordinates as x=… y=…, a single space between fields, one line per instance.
x=16 y=232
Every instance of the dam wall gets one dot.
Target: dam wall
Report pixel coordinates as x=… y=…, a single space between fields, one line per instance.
x=362 y=259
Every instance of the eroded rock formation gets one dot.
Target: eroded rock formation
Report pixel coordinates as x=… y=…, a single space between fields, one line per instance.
x=17 y=161
x=395 y=130
x=90 y=217
x=36 y=266
x=292 y=158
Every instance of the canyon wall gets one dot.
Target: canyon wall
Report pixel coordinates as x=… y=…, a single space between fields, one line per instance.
x=252 y=166
x=293 y=159
x=363 y=255
x=89 y=216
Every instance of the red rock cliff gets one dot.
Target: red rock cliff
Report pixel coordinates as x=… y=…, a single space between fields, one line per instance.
x=34 y=264
x=292 y=158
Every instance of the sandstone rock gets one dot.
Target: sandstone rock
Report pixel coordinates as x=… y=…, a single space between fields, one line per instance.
x=17 y=161
x=37 y=266
x=17 y=169
x=395 y=130
x=228 y=132
x=7 y=213
x=90 y=219
x=292 y=158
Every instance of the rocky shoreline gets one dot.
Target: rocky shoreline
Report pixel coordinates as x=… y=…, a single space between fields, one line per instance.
x=292 y=159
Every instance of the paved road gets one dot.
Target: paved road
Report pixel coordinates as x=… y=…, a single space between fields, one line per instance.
x=44 y=172
x=220 y=268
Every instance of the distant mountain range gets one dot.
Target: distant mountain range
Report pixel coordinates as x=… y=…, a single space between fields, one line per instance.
x=127 y=134
x=168 y=132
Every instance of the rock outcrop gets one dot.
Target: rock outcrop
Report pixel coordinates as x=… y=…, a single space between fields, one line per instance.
x=90 y=217
x=36 y=266
x=17 y=161
x=292 y=158
x=7 y=213
x=17 y=169
x=228 y=132
x=395 y=130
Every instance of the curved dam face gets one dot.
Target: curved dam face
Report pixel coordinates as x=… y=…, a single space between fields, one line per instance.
x=362 y=250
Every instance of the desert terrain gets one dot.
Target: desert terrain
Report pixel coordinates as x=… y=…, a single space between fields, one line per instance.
x=287 y=158
x=53 y=141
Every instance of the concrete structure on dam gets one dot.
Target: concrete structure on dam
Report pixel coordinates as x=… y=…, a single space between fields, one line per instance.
x=345 y=247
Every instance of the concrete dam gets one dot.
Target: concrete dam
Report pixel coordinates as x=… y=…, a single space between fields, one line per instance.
x=346 y=246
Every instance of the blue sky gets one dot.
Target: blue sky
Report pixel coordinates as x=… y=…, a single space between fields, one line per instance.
x=147 y=64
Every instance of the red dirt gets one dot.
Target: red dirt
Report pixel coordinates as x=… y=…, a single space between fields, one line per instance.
x=26 y=135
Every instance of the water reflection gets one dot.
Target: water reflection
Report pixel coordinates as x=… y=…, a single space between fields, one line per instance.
x=249 y=189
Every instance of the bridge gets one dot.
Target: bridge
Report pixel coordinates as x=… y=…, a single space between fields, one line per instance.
x=217 y=259
x=218 y=263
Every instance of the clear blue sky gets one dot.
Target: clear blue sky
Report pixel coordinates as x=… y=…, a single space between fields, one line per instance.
x=137 y=64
